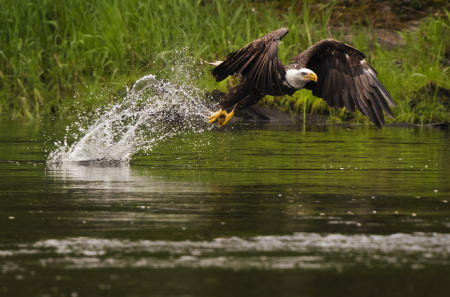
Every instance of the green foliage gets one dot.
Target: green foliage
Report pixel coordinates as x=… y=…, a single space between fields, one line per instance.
x=415 y=72
x=57 y=56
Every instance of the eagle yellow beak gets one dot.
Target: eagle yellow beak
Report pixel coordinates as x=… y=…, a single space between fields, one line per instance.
x=311 y=76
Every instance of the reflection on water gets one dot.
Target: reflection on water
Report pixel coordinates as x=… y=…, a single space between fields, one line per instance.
x=245 y=211
x=115 y=177
x=91 y=171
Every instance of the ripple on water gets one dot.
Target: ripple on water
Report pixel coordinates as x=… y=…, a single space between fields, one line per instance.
x=296 y=251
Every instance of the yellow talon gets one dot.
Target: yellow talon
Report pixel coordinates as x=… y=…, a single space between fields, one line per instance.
x=222 y=117
x=216 y=116
x=226 y=119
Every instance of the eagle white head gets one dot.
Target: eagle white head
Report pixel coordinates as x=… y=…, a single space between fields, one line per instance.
x=297 y=78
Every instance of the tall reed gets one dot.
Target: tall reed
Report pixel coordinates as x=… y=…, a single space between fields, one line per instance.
x=59 y=55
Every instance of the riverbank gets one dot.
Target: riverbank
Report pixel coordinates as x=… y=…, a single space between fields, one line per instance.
x=77 y=56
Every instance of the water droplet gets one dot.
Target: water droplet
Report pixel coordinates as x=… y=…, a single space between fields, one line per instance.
x=151 y=112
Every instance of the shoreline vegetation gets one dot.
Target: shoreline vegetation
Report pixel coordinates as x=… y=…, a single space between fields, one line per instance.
x=57 y=57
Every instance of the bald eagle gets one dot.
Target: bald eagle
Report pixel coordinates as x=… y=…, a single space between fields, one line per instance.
x=333 y=70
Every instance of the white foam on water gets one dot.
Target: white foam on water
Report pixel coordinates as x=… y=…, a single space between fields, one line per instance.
x=301 y=250
x=152 y=111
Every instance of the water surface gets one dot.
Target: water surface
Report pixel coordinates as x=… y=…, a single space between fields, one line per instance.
x=250 y=210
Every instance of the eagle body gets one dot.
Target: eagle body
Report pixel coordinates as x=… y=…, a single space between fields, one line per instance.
x=332 y=70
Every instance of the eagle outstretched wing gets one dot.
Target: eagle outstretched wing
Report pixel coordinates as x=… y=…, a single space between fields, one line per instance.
x=257 y=63
x=346 y=79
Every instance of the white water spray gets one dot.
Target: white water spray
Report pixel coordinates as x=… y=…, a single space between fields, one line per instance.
x=152 y=111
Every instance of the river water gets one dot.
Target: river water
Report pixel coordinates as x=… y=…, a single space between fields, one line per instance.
x=250 y=210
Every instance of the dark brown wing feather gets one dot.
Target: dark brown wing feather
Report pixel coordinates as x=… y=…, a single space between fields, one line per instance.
x=257 y=63
x=346 y=79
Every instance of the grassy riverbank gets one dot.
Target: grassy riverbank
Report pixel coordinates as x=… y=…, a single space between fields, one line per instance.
x=57 y=56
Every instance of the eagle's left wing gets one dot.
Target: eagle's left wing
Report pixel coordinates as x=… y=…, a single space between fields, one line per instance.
x=344 y=78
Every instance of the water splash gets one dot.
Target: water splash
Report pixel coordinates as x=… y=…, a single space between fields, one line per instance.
x=152 y=111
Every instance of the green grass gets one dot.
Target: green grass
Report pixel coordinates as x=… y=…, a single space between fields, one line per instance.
x=61 y=56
